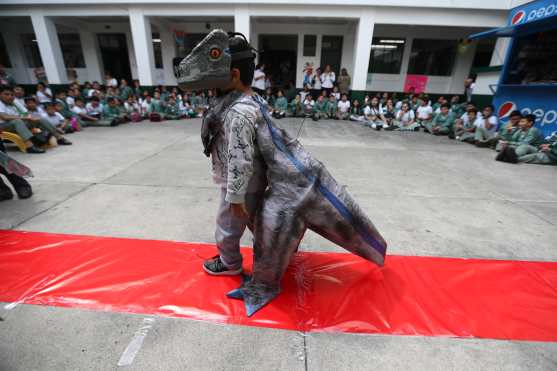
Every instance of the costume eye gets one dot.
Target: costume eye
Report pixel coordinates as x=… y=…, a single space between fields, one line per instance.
x=215 y=53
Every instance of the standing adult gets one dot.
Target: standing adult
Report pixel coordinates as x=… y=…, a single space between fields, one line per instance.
x=344 y=81
x=328 y=79
x=109 y=81
x=258 y=83
x=5 y=79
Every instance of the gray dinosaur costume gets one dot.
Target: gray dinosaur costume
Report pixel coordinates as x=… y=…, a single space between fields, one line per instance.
x=301 y=193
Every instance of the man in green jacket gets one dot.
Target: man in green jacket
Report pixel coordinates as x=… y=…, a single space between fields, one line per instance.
x=442 y=123
x=527 y=139
x=546 y=154
x=320 y=108
x=112 y=115
x=171 y=110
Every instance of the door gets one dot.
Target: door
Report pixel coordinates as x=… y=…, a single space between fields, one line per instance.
x=114 y=53
x=331 y=52
x=279 y=53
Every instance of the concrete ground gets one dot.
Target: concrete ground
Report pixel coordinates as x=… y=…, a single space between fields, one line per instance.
x=427 y=195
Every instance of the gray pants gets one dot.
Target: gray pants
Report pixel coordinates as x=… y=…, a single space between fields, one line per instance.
x=18 y=127
x=540 y=158
x=483 y=134
x=230 y=228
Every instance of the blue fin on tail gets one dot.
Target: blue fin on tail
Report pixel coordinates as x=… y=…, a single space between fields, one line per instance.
x=238 y=293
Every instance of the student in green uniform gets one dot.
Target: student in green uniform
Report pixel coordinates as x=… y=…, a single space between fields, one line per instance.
x=320 y=108
x=296 y=107
x=442 y=123
x=465 y=127
x=332 y=107
x=280 y=105
x=546 y=154
x=157 y=105
x=526 y=140
x=505 y=132
x=111 y=116
x=457 y=108
x=171 y=111
x=125 y=90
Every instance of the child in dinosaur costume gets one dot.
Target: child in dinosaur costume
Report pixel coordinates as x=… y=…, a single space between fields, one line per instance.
x=300 y=193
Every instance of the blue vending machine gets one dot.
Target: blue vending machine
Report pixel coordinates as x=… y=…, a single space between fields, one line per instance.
x=528 y=81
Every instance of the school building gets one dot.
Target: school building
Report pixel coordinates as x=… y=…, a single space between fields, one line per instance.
x=379 y=42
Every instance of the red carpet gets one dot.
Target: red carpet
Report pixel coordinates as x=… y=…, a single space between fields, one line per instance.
x=321 y=291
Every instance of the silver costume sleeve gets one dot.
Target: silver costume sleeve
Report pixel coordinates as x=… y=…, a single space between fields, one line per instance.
x=241 y=151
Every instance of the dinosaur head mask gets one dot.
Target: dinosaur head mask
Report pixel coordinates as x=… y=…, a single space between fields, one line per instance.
x=208 y=64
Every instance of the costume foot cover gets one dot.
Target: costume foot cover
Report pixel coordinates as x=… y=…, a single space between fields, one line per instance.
x=254 y=297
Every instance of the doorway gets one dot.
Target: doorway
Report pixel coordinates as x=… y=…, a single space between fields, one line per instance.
x=114 y=54
x=279 y=53
x=331 y=52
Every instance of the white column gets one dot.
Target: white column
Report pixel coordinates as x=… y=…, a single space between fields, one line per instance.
x=168 y=54
x=242 y=20
x=362 y=49
x=91 y=54
x=12 y=39
x=143 y=46
x=500 y=51
x=49 y=47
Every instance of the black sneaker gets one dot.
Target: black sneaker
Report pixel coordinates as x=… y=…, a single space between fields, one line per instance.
x=5 y=191
x=511 y=156
x=35 y=149
x=64 y=142
x=21 y=186
x=215 y=267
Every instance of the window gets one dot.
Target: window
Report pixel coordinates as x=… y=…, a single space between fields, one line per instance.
x=31 y=50
x=70 y=43
x=386 y=55
x=4 y=58
x=157 y=50
x=186 y=42
x=432 y=57
x=484 y=51
x=310 y=45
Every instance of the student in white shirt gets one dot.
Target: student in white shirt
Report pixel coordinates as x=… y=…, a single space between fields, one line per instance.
x=44 y=94
x=258 y=82
x=309 y=104
x=328 y=79
x=343 y=108
x=373 y=114
x=80 y=110
x=19 y=98
x=486 y=125
x=404 y=120
x=424 y=113
x=94 y=108
x=110 y=81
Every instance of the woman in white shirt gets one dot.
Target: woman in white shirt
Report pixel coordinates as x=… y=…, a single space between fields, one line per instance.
x=44 y=94
x=405 y=120
x=328 y=79
x=374 y=114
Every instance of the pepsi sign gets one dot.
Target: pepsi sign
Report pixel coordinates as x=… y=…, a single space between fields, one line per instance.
x=533 y=12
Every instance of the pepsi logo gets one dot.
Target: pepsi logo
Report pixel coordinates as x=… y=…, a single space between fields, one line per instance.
x=518 y=17
x=505 y=109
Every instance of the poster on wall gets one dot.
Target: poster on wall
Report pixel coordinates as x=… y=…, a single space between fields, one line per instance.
x=415 y=84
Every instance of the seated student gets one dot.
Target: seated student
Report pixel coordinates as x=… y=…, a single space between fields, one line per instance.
x=199 y=103
x=94 y=108
x=405 y=120
x=320 y=108
x=70 y=97
x=373 y=114
x=332 y=107
x=39 y=121
x=389 y=113
x=436 y=107
x=486 y=126
x=270 y=99
x=19 y=97
x=44 y=94
x=171 y=110
x=356 y=112
x=281 y=106
x=442 y=123
x=186 y=109
x=81 y=111
x=309 y=105
x=457 y=108
x=546 y=154
x=465 y=128
x=505 y=132
x=132 y=109
x=14 y=121
x=305 y=92
x=157 y=107
x=125 y=90
x=74 y=122
x=526 y=140
x=56 y=119
x=343 y=105
x=111 y=116
x=424 y=113
x=296 y=108
x=336 y=93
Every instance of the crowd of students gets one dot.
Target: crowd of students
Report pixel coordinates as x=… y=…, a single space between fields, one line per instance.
x=43 y=118
x=516 y=141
